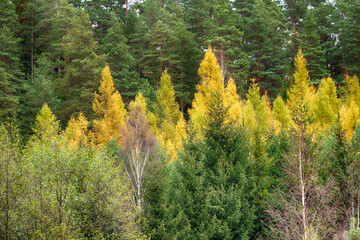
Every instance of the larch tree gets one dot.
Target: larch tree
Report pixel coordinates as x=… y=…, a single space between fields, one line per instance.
x=110 y=109
x=211 y=84
x=350 y=112
x=169 y=118
x=76 y=131
x=281 y=115
x=46 y=124
x=232 y=102
x=326 y=105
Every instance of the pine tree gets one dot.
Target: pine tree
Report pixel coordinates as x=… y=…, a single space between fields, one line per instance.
x=83 y=67
x=264 y=41
x=349 y=40
x=8 y=99
x=312 y=48
x=49 y=33
x=121 y=62
x=10 y=66
x=110 y=109
x=225 y=39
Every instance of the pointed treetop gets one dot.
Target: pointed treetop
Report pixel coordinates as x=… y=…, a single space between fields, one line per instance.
x=210 y=71
x=46 y=124
x=107 y=86
x=301 y=73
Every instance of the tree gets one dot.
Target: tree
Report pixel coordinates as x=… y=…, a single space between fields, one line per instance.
x=110 y=109
x=312 y=48
x=8 y=99
x=43 y=88
x=169 y=118
x=233 y=103
x=121 y=62
x=300 y=95
x=76 y=131
x=211 y=84
x=264 y=42
x=326 y=104
x=10 y=183
x=208 y=194
x=10 y=65
x=138 y=147
x=83 y=67
x=46 y=125
x=225 y=39
x=349 y=40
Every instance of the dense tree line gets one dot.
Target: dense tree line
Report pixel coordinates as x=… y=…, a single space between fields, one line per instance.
x=179 y=119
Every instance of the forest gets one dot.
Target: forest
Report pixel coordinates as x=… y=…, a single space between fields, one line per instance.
x=186 y=119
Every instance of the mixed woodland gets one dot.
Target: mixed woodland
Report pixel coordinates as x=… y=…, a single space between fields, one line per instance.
x=186 y=119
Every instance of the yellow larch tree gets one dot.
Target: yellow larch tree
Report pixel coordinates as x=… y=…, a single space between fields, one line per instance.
x=232 y=102
x=301 y=95
x=281 y=115
x=169 y=118
x=351 y=89
x=326 y=105
x=77 y=130
x=349 y=117
x=350 y=109
x=110 y=109
x=210 y=85
x=257 y=111
x=47 y=126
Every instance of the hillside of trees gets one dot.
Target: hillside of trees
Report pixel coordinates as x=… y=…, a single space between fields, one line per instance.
x=187 y=119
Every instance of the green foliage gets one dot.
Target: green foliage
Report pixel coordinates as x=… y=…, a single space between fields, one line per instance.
x=312 y=48
x=208 y=197
x=42 y=89
x=11 y=183
x=83 y=67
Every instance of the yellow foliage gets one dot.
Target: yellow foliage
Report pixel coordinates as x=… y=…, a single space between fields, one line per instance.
x=171 y=126
x=349 y=116
x=47 y=125
x=140 y=102
x=232 y=102
x=352 y=89
x=76 y=131
x=281 y=115
x=109 y=107
x=326 y=104
x=210 y=85
x=301 y=95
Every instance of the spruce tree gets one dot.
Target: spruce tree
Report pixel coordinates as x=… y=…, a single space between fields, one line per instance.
x=209 y=193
